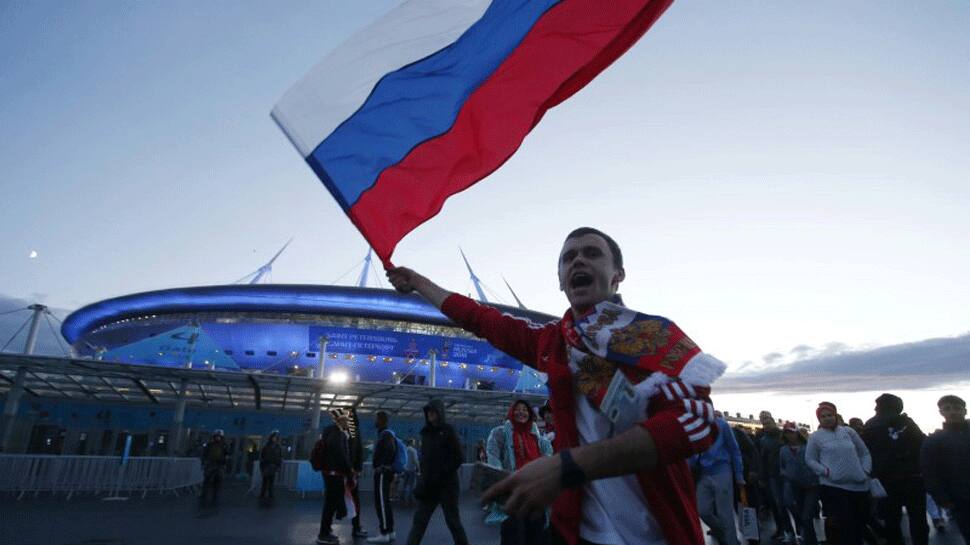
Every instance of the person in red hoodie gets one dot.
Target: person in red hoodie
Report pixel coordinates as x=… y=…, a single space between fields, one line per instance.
x=511 y=446
x=630 y=396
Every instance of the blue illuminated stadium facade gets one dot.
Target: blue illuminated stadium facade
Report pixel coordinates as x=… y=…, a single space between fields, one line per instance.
x=371 y=335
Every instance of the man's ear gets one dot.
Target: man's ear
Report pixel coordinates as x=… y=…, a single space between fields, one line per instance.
x=620 y=276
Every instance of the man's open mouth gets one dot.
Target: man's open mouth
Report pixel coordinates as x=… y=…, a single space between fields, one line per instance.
x=580 y=280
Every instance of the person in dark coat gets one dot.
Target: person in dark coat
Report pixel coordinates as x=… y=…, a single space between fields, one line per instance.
x=215 y=461
x=439 y=484
x=945 y=459
x=769 y=445
x=894 y=441
x=750 y=460
x=331 y=457
x=270 y=463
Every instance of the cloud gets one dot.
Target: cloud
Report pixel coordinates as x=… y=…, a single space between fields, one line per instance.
x=837 y=368
x=13 y=327
x=773 y=357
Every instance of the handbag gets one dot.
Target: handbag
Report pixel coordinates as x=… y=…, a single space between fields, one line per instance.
x=749 y=518
x=876 y=490
x=819 y=525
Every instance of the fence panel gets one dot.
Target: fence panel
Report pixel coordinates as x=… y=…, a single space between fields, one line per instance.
x=29 y=473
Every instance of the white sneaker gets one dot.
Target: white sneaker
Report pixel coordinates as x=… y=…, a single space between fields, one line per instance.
x=383 y=538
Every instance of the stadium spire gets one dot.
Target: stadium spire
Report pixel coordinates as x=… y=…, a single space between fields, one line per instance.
x=259 y=273
x=517 y=301
x=475 y=280
x=362 y=280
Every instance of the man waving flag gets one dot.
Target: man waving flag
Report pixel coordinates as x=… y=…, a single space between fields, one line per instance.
x=437 y=94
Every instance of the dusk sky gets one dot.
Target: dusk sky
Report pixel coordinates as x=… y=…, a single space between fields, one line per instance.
x=789 y=182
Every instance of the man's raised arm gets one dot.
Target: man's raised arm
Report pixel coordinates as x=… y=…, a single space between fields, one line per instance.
x=405 y=280
x=514 y=336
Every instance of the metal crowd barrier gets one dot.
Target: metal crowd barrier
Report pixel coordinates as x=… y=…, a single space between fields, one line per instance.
x=298 y=476
x=29 y=473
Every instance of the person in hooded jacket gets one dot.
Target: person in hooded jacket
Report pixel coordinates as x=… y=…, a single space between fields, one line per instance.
x=215 y=462
x=894 y=441
x=441 y=459
x=270 y=462
x=510 y=446
x=801 y=484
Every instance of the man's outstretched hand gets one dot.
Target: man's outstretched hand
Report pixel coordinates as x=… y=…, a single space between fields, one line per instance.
x=405 y=280
x=401 y=278
x=530 y=490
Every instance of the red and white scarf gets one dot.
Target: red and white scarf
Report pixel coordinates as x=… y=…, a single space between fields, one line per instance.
x=651 y=352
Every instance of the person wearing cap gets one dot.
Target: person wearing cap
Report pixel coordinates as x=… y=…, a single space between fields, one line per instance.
x=945 y=459
x=842 y=462
x=800 y=484
x=270 y=462
x=215 y=461
x=895 y=442
x=331 y=457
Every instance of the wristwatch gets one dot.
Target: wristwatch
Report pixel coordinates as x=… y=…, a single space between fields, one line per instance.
x=571 y=475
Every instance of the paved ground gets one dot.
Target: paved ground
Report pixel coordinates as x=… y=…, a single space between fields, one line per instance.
x=240 y=520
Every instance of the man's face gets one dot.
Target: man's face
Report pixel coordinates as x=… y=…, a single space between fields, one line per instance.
x=520 y=413
x=953 y=413
x=432 y=416
x=380 y=421
x=586 y=272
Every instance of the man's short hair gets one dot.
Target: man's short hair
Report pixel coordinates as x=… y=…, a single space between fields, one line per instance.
x=614 y=247
x=544 y=409
x=381 y=414
x=951 y=399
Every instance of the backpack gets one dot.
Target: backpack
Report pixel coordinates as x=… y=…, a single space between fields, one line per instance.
x=400 y=454
x=316 y=456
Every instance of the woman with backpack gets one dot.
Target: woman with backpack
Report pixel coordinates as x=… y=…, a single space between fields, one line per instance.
x=510 y=446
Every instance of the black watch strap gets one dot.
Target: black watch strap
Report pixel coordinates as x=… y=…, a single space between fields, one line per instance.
x=571 y=476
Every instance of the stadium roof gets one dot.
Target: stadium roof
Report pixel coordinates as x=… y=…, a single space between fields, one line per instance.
x=80 y=379
x=283 y=298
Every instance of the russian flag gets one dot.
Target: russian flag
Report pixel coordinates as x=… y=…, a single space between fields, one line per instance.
x=437 y=94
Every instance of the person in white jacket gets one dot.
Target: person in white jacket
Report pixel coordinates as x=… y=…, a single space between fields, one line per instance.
x=841 y=460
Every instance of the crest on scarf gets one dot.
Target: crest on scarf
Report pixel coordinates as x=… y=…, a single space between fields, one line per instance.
x=613 y=340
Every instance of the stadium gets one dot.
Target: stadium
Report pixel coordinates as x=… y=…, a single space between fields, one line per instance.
x=356 y=333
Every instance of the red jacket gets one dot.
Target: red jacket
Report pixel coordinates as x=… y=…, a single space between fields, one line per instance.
x=669 y=488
